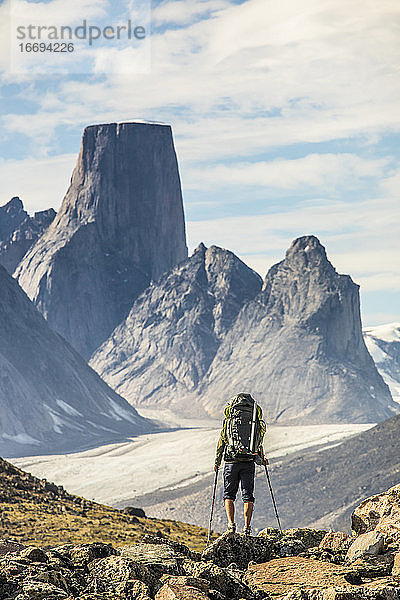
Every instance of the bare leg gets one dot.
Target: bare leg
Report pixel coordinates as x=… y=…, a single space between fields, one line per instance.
x=230 y=511
x=248 y=513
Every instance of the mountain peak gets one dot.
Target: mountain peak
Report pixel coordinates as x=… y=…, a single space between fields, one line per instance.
x=306 y=251
x=162 y=350
x=125 y=205
x=14 y=205
x=299 y=344
x=201 y=248
x=18 y=231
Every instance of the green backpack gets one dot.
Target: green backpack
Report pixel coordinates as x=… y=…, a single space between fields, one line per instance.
x=242 y=424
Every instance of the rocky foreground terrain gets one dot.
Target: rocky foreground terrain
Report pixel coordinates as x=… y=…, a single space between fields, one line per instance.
x=110 y=564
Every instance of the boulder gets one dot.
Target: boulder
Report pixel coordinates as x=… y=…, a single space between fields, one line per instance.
x=371 y=567
x=151 y=561
x=371 y=543
x=396 y=565
x=37 y=590
x=10 y=546
x=308 y=537
x=384 y=592
x=227 y=581
x=119 y=577
x=183 y=588
x=380 y=512
x=34 y=554
x=81 y=555
x=336 y=541
x=134 y=512
x=238 y=549
x=282 y=576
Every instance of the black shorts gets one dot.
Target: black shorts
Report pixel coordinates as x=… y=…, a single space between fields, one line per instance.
x=235 y=472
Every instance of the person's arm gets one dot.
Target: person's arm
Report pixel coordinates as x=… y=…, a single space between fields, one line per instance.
x=263 y=429
x=220 y=447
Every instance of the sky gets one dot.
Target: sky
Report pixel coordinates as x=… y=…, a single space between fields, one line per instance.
x=285 y=116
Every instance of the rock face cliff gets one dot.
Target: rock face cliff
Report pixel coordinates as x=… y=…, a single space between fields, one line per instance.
x=50 y=400
x=120 y=226
x=18 y=231
x=162 y=351
x=298 y=347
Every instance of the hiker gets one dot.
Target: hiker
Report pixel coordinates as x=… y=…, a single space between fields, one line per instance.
x=240 y=443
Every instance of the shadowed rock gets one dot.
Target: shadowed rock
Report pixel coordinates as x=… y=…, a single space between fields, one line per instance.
x=162 y=351
x=50 y=400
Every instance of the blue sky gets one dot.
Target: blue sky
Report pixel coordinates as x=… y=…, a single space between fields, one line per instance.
x=285 y=116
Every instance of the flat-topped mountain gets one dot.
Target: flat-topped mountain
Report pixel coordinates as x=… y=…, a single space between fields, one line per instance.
x=298 y=346
x=50 y=400
x=120 y=226
x=163 y=349
x=18 y=231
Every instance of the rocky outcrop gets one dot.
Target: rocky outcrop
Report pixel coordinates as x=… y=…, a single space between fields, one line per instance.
x=383 y=343
x=11 y=216
x=371 y=543
x=19 y=231
x=120 y=226
x=298 y=347
x=163 y=349
x=50 y=400
x=233 y=567
x=380 y=514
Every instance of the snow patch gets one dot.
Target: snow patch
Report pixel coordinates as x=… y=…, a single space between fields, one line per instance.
x=70 y=410
x=377 y=354
x=58 y=422
x=387 y=333
x=393 y=385
x=20 y=438
x=119 y=413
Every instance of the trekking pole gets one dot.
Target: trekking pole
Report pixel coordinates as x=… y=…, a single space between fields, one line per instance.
x=212 y=505
x=272 y=496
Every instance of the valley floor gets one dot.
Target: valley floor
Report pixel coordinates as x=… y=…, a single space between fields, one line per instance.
x=156 y=464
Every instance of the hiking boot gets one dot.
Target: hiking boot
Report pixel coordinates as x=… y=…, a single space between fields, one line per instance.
x=246 y=530
x=232 y=528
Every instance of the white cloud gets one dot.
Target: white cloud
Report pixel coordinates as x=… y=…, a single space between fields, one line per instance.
x=40 y=184
x=326 y=72
x=314 y=170
x=183 y=12
x=379 y=318
x=343 y=228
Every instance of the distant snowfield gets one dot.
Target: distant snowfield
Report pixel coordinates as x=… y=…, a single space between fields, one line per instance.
x=115 y=473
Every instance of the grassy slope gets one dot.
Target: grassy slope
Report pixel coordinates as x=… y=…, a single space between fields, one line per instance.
x=37 y=512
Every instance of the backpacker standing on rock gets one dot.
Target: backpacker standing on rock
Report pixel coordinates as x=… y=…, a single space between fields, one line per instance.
x=240 y=443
